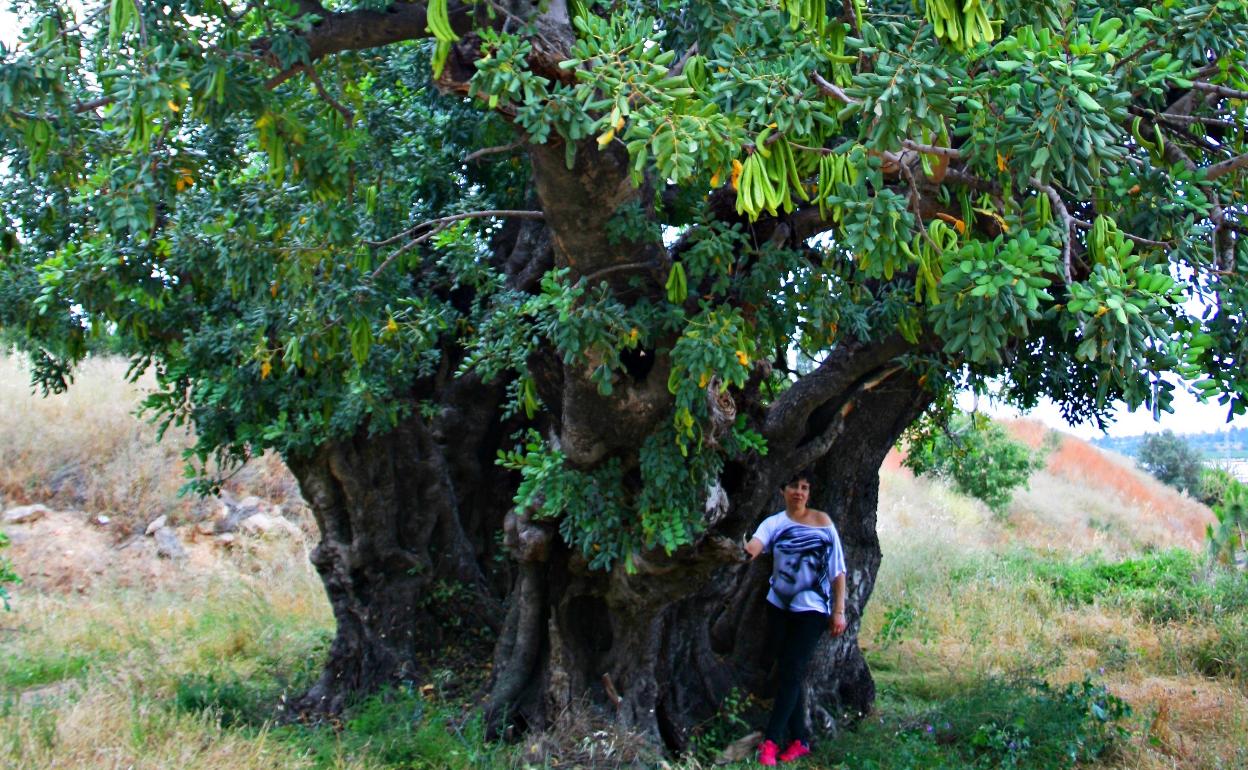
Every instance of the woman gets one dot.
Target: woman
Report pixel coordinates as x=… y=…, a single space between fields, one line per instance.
x=807 y=594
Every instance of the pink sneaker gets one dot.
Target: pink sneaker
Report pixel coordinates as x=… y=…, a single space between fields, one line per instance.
x=767 y=753
x=796 y=750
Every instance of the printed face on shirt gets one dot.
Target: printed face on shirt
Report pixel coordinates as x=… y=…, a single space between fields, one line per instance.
x=797 y=493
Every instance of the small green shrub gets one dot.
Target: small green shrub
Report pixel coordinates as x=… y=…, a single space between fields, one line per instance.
x=19 y=672
x=7 y=575
x=729 y=723
x=1081 y=582
x=1171 y=585
x=236 y=701
x=1227 y=541
x=1214 y=485
x=974 y=454
x=996 y=724
x=899 y=621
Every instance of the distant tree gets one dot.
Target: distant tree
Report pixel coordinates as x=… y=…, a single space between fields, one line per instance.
x=1172 y=460
x=974 y=454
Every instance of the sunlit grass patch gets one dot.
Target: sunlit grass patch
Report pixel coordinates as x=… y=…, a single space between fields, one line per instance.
x=44 y=667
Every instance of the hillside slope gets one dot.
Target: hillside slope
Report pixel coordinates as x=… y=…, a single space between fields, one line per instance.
x=1084 y=500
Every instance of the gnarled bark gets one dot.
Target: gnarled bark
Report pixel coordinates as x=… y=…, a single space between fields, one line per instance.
x=655 y=652
x=407 y=521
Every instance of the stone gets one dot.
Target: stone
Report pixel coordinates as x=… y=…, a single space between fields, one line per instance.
x=46 y=694
x=225 y=540
x=156 y=525
x=264 y=524
x=25 y=514
x=167 y=544
x=231 y=513
x=739 y=750
x=205 y=528
x=101 y=520
x=257 y=524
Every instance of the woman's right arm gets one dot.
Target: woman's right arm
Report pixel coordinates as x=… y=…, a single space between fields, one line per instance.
x=754 y=547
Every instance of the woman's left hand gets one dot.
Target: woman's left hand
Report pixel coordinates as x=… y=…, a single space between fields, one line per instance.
x=838 y=624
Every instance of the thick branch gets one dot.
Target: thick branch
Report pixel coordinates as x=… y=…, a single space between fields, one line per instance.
x=1227 y=166
x=817 y=447
x=579 y=203
x=481 y=153
x=832 y=89
x=1213 y=88
x=362 y=28
x=845 y=364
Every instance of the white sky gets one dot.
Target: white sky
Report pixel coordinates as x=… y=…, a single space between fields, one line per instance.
x=1189 y=416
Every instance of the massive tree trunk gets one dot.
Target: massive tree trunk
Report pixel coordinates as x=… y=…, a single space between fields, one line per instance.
x=409 y=518
x=655 y=652
x=407 y=521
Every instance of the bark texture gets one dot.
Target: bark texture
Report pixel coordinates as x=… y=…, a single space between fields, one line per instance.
x=654 y=653
x=407 y=521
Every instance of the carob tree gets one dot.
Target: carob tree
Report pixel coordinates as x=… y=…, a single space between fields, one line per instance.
x=541 y=335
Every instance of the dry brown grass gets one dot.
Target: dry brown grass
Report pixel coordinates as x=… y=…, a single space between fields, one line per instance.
x=1188 y=723
x=126 y=648
x=87 y=450
x=973 y=620
x=1110 y=490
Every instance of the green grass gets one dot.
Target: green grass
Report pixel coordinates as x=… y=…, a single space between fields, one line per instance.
x=994 y=723
x=1169 y=585
x=396 y=728
x=401 y=729
x=21 y=672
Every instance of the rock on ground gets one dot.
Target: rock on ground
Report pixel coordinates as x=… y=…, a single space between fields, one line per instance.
x=167 y=544
x=25 y=514
x=64 y=551
x=231 y=514
x=738 y=750
x=263 y=524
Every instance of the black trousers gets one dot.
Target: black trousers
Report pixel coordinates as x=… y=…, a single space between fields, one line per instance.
x=792 y=637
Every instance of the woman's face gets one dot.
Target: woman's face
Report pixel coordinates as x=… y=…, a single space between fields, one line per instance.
x=797 y=493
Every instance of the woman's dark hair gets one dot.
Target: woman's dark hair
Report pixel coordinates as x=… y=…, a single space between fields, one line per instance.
x=802 y=475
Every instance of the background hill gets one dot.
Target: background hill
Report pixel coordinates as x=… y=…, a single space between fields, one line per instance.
x=1229 y=444
x=993 y=638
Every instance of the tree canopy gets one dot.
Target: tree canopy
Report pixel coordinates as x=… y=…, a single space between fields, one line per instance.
x=254 y=196
x=313 y=219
